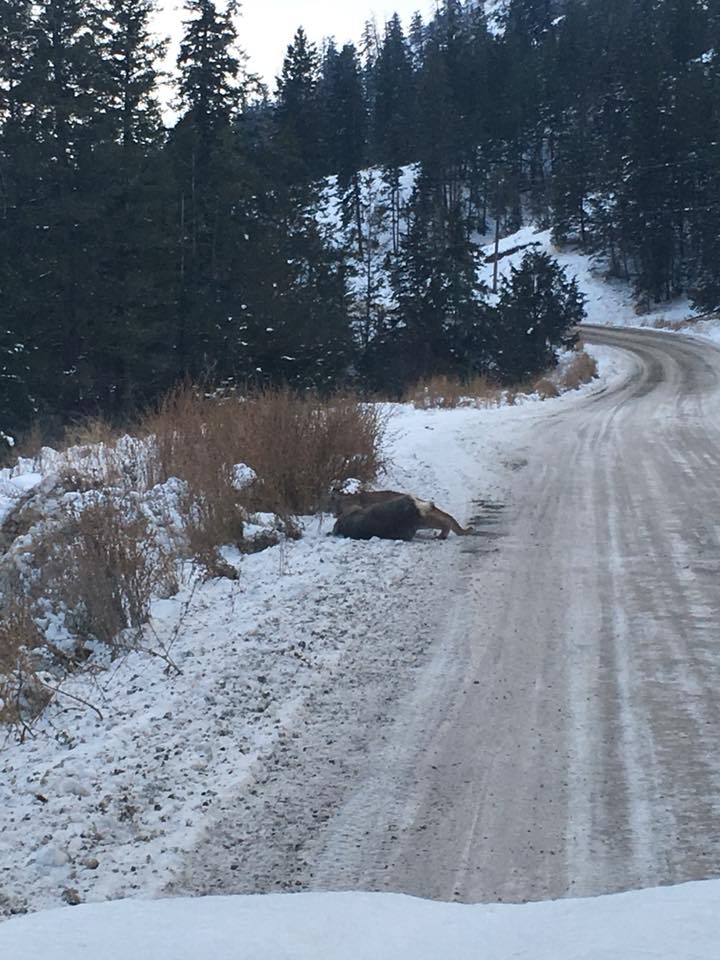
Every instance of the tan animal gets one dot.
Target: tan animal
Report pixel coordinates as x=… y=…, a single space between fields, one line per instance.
x=431 y=517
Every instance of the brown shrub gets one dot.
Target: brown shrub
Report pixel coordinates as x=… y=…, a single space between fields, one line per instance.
x=297 y=446
x=546 y=389
x=447 y=392
x=102 y=566
x=582 y=369
x=23 y=695
x=29 y=443
x=89 y=431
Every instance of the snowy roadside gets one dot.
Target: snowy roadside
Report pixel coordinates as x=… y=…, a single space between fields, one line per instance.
x=682 y=923
x=102 y=807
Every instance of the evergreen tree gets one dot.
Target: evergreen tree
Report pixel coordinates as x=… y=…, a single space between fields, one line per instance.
x=536 y=314
x=440 y=317
x=57 y=220
x=16 y=188
x=209 y=66
x=127 y=177
x=394 y=105
x=393 y=121
x=130 y=54
x=346 y=125
x=298 y=107
x=703 y=207
x=209 y=178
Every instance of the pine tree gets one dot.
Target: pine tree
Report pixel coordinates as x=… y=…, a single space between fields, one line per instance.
x=127 y=178
x=298 y=107
x=346 y=126
x=209 y=179
x=394 y=105
x=288 y=304
x=393 y=116
x=536 y=314
x=439 y=316
x=209 y=66
x=60 y=85
x=130 y=55
x=703 y=207
x=16 y=189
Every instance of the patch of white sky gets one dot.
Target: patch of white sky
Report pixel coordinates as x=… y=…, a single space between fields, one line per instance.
x=266 y=27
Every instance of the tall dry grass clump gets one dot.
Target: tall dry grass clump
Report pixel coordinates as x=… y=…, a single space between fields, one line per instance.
x=23 y=695
x=297 y=445
x=101 y=567
x=195 y=439
x=582 y=369
x=447 y=392
x=90 y=431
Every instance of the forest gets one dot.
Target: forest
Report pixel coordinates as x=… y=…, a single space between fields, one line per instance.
x=265 y=237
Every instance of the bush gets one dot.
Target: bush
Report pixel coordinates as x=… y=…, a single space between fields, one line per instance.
x=23 y=695
x=581 y=369
x=448 y=392
x=297 y=445
x=101 y=568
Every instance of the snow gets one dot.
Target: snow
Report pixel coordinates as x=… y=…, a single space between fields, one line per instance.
x=102 y=807
x=682 y=923
x=610 y=302
x=108 y=804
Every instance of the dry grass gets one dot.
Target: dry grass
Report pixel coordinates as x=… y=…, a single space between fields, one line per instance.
x=447 y=392
x=662 y=323
x=297 y=446
x=545 y=388
x=29 y=443
x=101 y=567
x=23 y=695
x=582 y=369
x=91 y=431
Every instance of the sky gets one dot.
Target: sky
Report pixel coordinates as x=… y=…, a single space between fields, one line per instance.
x=266 y=27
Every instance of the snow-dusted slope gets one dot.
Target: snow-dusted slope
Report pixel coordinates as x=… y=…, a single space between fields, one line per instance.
x=609 y=302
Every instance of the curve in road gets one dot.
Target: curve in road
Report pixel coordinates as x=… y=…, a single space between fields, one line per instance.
x=561 y=738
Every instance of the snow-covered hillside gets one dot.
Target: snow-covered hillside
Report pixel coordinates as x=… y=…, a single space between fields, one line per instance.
x=609 y=302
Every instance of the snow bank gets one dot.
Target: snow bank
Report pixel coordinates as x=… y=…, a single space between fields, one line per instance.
x=671 y=923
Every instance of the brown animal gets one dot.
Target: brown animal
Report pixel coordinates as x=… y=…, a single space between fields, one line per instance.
x=396 y=519
x=431 y=517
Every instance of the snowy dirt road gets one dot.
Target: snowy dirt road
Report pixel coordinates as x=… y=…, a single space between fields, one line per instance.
x=542 y=719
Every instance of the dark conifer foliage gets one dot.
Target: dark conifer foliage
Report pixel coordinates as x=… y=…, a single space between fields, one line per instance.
x=536 y=314
x=132 y=254
x=440 y=320
x=299 y=108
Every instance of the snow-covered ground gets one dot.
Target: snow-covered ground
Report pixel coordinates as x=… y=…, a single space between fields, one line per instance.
x=671 y=923
x=96 y=807
x=104 y=807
